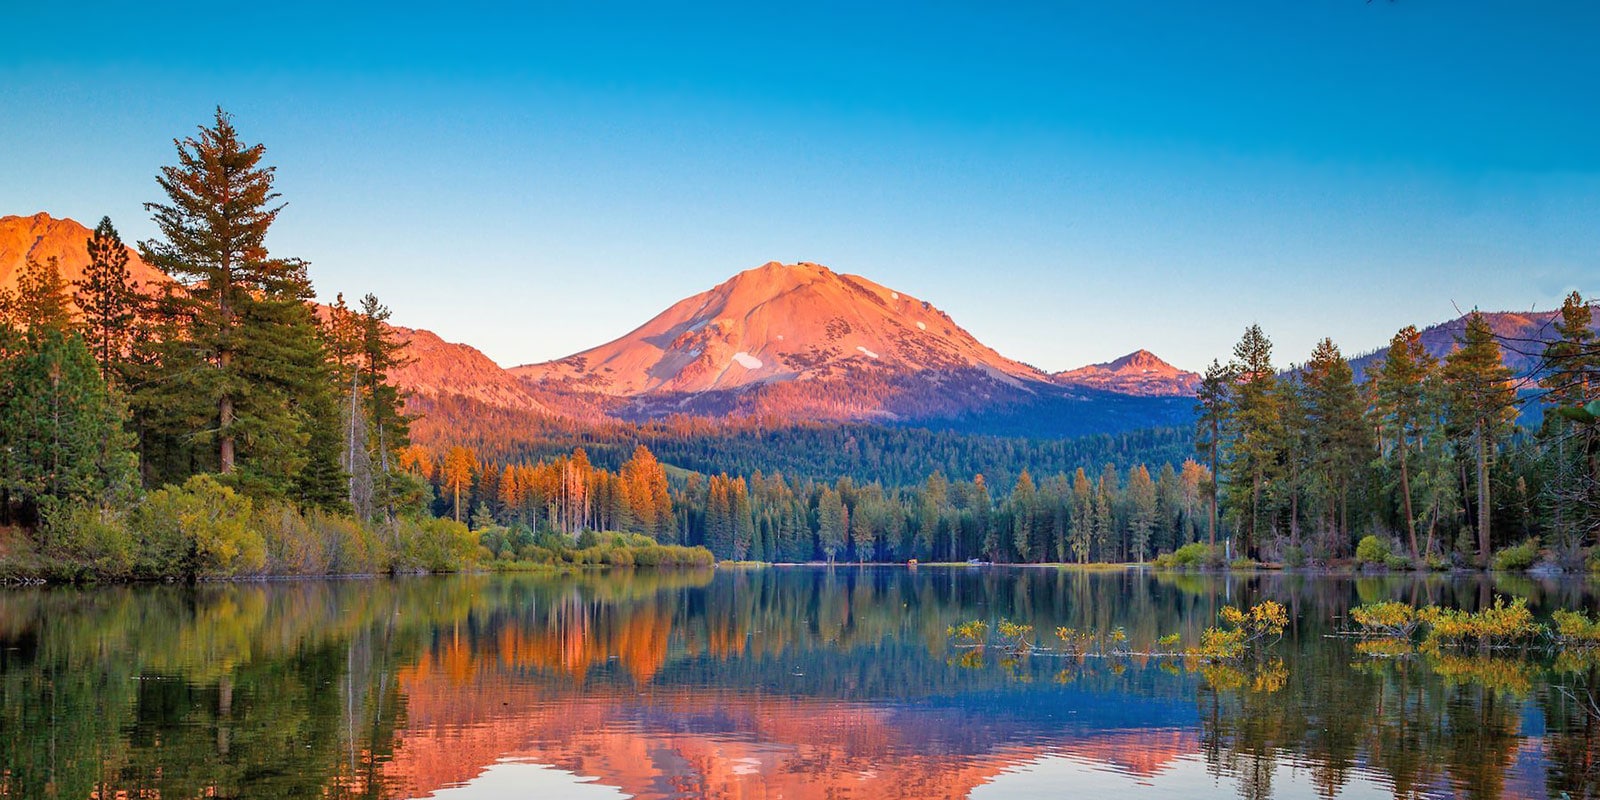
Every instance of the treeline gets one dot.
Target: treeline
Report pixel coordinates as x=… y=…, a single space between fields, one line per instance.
x=1110 y=515
x=217 y=423
x=1426 y=451
x=863 y=452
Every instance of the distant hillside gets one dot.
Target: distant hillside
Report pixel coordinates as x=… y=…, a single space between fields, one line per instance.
x=41 y=237
x=802 y=343
x=1137 y=373
x=1522 y=335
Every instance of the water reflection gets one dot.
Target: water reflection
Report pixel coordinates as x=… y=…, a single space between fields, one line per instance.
x=793 y=683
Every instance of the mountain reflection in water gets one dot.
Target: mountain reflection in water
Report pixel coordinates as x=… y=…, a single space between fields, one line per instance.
x=789 y=682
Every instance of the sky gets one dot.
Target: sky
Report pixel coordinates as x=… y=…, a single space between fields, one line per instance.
x=1070 y=181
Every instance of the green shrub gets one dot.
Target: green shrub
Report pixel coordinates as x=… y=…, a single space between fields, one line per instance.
x=1397 y=561
x=1294 y=556
x=1194 y=554
x=1517 y=558
x=1373 y=550
x=433 y=544
x=84 y=542
x=199 y=529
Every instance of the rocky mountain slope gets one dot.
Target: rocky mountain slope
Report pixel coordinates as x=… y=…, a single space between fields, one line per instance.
x=41 y=237
x=1138 y=373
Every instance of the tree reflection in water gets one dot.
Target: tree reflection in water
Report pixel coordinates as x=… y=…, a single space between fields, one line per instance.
x=792 y=682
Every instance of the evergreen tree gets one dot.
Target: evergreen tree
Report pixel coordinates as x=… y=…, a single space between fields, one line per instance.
x=108 y=299
x=1251 y=438
x=1024 y=496
x=832 y=522
x=1142 y=511
x=1481 y=407
x=1338 y=436
x=1211 y=415
x=248 y=349
x=1571 y=381
x=1401 y=408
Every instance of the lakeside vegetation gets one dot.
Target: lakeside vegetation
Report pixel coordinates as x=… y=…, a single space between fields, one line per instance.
x=222 y=424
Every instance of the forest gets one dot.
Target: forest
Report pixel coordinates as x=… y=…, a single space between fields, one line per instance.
x=223 y=423
x=1291 y=466
x=218 y=424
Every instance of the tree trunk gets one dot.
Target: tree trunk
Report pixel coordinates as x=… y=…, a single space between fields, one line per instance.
x=1483 y=493
x=225 y=442
x=1405 y=493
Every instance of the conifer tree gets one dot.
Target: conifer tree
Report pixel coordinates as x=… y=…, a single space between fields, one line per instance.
x=1252 y=438
x=1338 y=437
x=832 y=523
x=1142 y=510
x=108 y=299
x=1211 y=415
x=1481 y=406
x=249 y=350
x=1401 y=408
x=1571 y=381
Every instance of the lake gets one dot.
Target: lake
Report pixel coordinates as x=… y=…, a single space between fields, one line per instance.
x=791 y=682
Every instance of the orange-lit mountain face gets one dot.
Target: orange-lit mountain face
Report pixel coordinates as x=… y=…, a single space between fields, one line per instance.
x=1138 y=373
x=776 y=323
x=801 y=342
x=438 y=368
x=42 y=237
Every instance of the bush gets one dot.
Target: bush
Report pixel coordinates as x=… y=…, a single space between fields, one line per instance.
x=1396 y=561
x=1499 y=625
x=1294 y=556
x=1373 y=550
x=1517 y=558
x=84 y=542
x=1194 y=554
x=433 y=544
x=199 y=529
x=1437 y=563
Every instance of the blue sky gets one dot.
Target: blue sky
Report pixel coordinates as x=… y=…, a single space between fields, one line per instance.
x=1070 y=181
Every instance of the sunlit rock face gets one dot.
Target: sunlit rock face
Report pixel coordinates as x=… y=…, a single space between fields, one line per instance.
x=1137 y=373
x=41 y=237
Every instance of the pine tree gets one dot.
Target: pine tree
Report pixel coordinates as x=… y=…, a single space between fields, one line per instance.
x=1142 y=511
x=252 y=348
x=61 y=427
x=109 y=300
x=1481 y=407
x=1572 y=441
x=832 y=523
x=459 y=465
x=1401 y=395
x=1081 y=531
x=1211 y=415
x=1024 y=496
x=1340 y=441
x=1251 y=438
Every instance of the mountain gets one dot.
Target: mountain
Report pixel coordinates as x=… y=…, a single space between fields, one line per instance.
x=42 y=237
x=778 y=323
x=1522 y=336
x=1138 y=373
x=438 y=368
x=800 y=342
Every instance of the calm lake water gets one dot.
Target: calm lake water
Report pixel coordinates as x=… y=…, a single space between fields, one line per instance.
x=787 y=682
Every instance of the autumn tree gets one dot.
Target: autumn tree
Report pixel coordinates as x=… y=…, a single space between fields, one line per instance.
x=456 y=474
